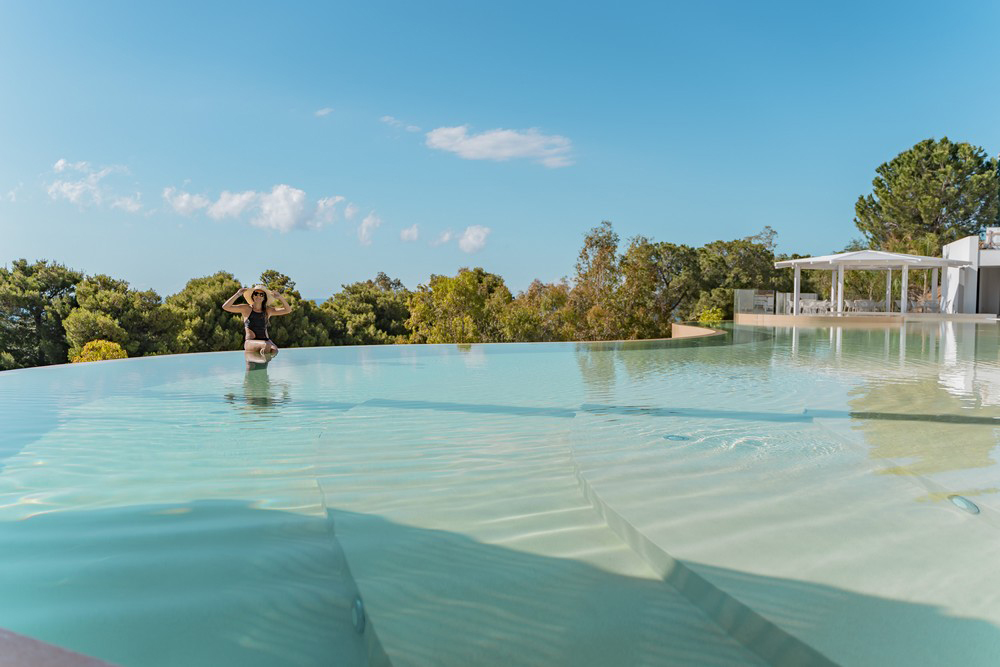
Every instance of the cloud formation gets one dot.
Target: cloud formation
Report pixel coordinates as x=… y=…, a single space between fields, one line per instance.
x=443 y=238
x=85 y=189
x=325 y=212
x=368 y=227
x=473 y=239
x=284 y=208
x=184 y=203
x=395 y=122
x=409 y=234
x=325 y=111
x=131 y=204
x=501 y=145
x=350 y=211
x=232 y=204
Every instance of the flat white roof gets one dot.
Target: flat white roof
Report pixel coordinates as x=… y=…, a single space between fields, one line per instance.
x=870 y=259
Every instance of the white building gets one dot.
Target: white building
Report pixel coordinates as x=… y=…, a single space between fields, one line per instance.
x=974 y=288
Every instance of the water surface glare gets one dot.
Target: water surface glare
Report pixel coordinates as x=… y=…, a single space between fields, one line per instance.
x=779 y=496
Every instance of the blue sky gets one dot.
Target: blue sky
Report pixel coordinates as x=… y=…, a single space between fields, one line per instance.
x=158 y=142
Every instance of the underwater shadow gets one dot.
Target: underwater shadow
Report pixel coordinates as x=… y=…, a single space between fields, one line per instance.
x=442 y=598
x=208 y=583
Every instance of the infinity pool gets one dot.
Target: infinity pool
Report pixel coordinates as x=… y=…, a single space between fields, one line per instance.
x=773 y=496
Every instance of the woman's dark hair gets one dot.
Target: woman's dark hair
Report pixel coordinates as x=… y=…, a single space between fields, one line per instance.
x=263 y=306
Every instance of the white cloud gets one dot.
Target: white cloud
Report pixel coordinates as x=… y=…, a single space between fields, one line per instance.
x=325 y=213
x=325 y=111
x=350 y=211
x=232 y=204
x=62 y=165
x=443 y=238
x=130 y=204
x=282 y=209
x=184 y=203
x=473 y=238
x=367 y=227
x=409 y=234
x=395 y=122
x=87 y=190
x=549 y=150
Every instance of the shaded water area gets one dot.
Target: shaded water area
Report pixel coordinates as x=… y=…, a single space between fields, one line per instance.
x=774 y=496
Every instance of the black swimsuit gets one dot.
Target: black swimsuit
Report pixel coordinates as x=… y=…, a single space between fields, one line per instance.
x=257 y=323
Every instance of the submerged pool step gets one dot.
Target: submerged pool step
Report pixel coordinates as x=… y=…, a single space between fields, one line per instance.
x=465 y=554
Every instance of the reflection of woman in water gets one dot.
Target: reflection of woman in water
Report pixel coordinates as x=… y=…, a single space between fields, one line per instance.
x=256 y=314
x=257 y=387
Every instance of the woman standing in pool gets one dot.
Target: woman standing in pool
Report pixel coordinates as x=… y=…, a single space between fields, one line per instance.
x=256 y=314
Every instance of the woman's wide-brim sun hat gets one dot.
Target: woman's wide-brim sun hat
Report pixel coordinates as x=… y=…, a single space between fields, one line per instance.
x=248 y=293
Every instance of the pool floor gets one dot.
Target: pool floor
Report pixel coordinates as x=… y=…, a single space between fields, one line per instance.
x=784 y=498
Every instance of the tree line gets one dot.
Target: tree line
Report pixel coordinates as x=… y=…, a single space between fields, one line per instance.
x=931 y=194
x=49 y=313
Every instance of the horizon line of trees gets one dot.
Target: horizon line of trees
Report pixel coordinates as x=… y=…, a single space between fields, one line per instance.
x=49 y=313
x=929 y=195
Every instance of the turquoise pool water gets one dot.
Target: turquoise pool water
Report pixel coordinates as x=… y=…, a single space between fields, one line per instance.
x=773 y=497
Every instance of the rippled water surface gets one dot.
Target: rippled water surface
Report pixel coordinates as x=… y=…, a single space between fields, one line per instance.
x=636 y=503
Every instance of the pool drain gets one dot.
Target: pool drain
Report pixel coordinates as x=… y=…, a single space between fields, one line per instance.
x=965 y=504
x=675 y=437
x=358 y=614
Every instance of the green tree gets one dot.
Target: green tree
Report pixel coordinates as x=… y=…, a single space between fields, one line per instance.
x=277 y=281
x=307 y=325
x=373 y=311
x=949 y=190
x=205 y=327
x=149 y=327
x=99 y=350
x=84 y=325
x=467 y=308
x=540 y=313
x=34 y=300
x=596 y=310
x=659 y=280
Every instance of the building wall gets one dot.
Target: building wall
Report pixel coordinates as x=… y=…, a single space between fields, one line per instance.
x=962 y=287
x=989 y=289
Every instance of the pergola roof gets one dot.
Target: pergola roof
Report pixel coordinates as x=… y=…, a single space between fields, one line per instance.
x=870 y=259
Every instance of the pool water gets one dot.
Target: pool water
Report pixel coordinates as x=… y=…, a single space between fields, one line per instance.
x=775 y=496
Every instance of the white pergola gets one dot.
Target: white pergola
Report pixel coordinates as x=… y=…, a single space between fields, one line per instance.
x=869 y=260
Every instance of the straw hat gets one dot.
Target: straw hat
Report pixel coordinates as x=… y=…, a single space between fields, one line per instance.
x=248 y=292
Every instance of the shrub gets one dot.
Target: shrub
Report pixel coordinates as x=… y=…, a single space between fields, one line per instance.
x=711 y=317
x=99 y=350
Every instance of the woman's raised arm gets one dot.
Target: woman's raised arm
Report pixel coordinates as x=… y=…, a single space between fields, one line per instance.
x=285 y=307
x=230 y=307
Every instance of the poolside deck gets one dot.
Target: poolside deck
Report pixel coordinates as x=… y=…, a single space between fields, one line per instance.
x=858 y=319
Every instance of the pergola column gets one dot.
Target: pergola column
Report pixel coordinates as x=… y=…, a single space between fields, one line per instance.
x=840 y=289
x=833 y=286
x=888 y=290
x=904 y=289
x=934 y=286
x=944 y=290
x=796 y=290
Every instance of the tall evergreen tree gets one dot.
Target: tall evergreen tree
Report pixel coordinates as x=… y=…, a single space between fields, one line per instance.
x=205 y=327
x=949 y=190
x=34 y=301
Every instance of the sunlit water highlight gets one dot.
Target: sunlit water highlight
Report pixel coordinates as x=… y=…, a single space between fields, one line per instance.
x=646 y=503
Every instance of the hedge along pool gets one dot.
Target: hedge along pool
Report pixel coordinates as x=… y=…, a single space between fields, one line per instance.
x=775 y=496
